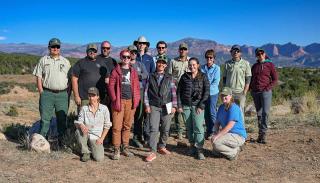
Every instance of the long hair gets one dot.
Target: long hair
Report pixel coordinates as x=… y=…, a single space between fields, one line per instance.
x=199 y=74
x=227 y=107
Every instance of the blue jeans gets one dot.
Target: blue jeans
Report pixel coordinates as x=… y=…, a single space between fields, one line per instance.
x=211 y=112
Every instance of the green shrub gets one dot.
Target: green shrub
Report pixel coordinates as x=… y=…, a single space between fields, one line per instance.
x=13 y=111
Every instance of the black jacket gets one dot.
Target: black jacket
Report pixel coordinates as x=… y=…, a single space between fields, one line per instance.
x=159 y=95
x=193 y=91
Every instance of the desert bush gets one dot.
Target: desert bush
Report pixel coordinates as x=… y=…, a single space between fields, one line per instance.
x=13 y=111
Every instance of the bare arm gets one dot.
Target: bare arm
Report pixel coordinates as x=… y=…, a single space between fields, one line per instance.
x=75 y=90
x=225 y=130
x=39 y=84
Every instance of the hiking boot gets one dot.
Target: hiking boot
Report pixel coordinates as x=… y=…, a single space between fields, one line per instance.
x=116 y=154
x=164 y=151
x=152 y=156
x=126 y=152
x=200 y=155
x=85 y=157
x=137 y=143
x=262 y=139
x=192 y=150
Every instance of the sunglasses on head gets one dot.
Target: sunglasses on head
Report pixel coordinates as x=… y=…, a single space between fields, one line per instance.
x=92 y=51
x=55 y=46
x=105 y=48
x=161 y=48
x=126 y=57
x=183 y=49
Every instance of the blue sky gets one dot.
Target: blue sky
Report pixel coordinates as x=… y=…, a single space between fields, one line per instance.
x=251 y=22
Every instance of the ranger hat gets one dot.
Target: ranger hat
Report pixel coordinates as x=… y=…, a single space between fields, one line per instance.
x=226 y=91
x=93 y=90
x=92 y=46
x=54 y=42
x=141 y=39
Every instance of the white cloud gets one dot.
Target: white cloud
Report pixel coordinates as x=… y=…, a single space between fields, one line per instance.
x=2 y=38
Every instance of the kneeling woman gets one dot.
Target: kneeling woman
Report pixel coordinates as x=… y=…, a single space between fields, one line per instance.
x=228 y=140
x=92 y=126
x=193 y=92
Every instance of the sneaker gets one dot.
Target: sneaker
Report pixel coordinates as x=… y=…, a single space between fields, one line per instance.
x=85 y=157
x=152 y=156
x=200 y=155
x=116 y=154
x=137 y=143
x=126 y=152
x=164 y=151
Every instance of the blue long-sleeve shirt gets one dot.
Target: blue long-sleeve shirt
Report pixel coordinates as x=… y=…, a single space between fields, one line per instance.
x=213 y=74
x=147 y=60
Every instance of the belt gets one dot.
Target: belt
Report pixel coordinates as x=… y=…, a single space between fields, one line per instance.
x=54 y=91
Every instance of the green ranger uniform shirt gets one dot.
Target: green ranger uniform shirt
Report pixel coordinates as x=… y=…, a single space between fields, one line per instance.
x=54 y=72
x=178 y=68
x=235 y=73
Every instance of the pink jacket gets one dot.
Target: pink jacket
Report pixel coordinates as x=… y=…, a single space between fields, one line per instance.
x=114 y=88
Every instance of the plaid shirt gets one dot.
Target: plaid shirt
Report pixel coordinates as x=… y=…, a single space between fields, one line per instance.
x=172 y=87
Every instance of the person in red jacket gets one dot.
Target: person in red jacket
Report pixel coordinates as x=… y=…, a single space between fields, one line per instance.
x=124 y=93
x=264 y=78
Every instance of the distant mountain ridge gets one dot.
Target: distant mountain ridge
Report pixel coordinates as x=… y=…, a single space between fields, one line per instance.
x=286 y=55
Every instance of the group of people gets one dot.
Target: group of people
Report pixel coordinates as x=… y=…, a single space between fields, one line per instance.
x=151 y=93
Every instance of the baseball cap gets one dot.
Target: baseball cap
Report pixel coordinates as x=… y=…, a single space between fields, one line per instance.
x=93 y=90
x=236 y=47
x=259 y=49
x=54 y=42
x=132 y=48
x=92 y=46
x=183 y=45
x=163 y=58
x=226 y=91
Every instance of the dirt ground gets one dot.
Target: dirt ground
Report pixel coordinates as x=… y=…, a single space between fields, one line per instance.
x=292 y=155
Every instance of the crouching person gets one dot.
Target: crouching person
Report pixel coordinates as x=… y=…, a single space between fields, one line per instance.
x=92 y=127
x=228 y=140
x=160 y=101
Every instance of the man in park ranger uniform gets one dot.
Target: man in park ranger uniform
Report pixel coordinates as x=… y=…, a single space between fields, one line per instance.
x=52 y=82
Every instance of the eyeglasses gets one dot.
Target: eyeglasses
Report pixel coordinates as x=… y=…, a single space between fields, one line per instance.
x=105 y=48
x=56 y=46
x=183 y=49
x=161 y=48
x=142 y=43
x=92 y=51
x=125 y=57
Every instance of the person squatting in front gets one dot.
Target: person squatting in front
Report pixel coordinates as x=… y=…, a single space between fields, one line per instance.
x=124 y=93
x=92 y=126
x=227 y=141
x=161 y=102
x=193 y=92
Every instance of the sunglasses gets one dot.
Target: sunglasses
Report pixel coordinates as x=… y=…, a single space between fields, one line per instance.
x=260 y=53
x=92 y=51
x=105 y=48
x=235 y=51
x=209 y=58
x=142 y=43
x=161 y=48
x=133 y=52
x=126 y=57
x=183 y=49
x=56 y=46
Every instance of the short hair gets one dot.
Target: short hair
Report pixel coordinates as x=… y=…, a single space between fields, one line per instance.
x=210 y=52
x=124 y=51
x=162 y=42
x=105 y=42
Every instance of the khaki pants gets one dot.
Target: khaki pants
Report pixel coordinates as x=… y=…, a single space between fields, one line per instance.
x=240 y=99
x=121 y=124
x=96 y=150
x=228 y=144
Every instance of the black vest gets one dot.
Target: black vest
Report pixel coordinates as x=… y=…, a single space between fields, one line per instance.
x=159 y=95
